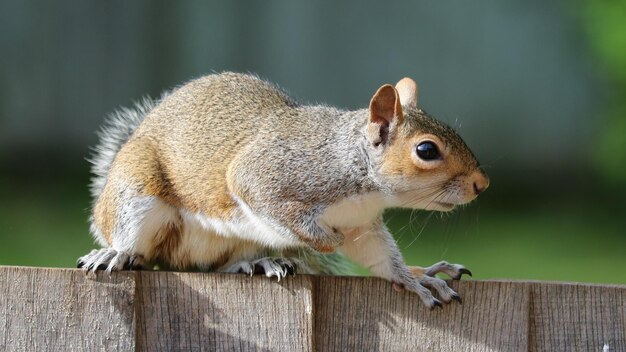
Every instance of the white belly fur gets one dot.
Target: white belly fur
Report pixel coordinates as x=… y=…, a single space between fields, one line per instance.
x=355 y=211
x=205 y=239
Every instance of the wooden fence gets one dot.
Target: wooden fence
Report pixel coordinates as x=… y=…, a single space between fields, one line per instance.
x=65 y=310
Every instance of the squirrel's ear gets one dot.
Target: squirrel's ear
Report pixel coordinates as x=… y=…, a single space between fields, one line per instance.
x=385 y=109
x=385 y=106
x=407 y=90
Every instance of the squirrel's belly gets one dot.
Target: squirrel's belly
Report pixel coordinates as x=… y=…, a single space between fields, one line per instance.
x=207 y=248
x=242 y=225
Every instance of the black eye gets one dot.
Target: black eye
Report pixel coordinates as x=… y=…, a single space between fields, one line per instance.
x=427 y=151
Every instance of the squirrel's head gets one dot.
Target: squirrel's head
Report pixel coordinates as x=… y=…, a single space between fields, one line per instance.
x=425 y=163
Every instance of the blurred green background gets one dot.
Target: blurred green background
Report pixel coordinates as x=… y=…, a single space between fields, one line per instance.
x=538 y=89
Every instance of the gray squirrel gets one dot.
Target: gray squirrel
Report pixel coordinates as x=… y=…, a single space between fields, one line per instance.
x=227 y=173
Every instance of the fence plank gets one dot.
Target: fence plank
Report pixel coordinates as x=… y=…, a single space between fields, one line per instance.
x=577 y=317
x=365 y=314
x=196 y=311
x=62 y=309
x=65 y=310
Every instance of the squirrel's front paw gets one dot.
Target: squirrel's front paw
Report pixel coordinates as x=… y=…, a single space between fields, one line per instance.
x=421 y=288
x=441 y=287
x=424 y=294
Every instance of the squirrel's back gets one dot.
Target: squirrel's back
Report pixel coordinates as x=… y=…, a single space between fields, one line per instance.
x=201 y=127
x=209 y=97
x=181 y=149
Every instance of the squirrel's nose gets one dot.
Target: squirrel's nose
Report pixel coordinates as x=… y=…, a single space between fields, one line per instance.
x=481 y=182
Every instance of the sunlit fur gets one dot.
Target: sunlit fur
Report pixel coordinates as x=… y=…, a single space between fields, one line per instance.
x=228 y=169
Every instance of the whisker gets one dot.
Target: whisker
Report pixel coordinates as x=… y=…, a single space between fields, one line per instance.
x=361 y=235
x=422 y=195
x=426 y=221
x=402 y=230
x=422 y=230
x=435 y=194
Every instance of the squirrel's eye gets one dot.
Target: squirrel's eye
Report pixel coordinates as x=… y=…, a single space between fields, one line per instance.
x=428 y=151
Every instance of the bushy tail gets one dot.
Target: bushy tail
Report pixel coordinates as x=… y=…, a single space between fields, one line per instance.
x=117 y=129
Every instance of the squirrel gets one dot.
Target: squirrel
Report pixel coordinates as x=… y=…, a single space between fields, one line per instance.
x=228 y=173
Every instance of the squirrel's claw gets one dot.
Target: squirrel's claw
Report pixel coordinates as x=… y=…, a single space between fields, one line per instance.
x=461 y=272
x=278 y=267
x=422 y=285
x=436 y=304
x=110 y=260
x=441 y=287
x=457 y=298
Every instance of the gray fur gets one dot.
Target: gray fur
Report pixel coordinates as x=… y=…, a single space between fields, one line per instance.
x=117 y=129
x=237 y=149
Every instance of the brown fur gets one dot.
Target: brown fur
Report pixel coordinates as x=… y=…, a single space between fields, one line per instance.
x=102 y=213
x=417 y=271
x=229 y=138
x=167 y=242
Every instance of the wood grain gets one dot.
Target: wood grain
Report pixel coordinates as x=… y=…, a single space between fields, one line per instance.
x=365 y=314
x=202 y=312
x=65 y=310
x=577 y=317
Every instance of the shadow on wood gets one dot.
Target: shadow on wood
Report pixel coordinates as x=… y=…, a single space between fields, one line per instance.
x=63 y=309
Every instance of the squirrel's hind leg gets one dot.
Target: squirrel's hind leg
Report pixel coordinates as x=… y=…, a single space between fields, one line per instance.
x=133 y=215
x=144 y=229
x=110 y=260
x=268 y=266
